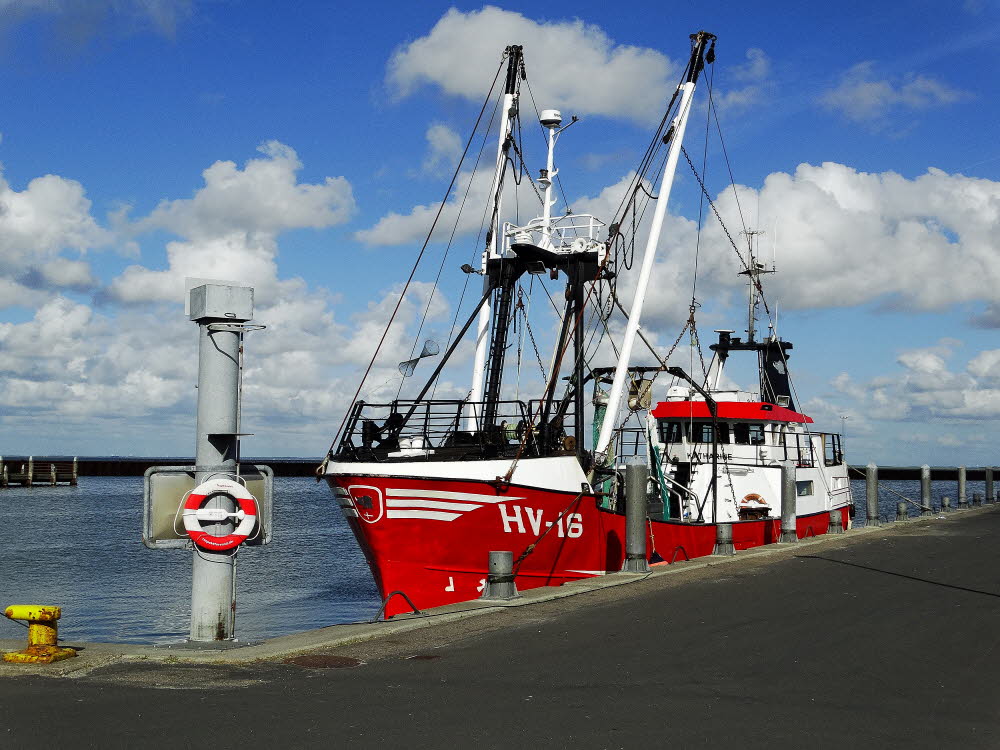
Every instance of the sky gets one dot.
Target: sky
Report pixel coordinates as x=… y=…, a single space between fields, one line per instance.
x=304 y=148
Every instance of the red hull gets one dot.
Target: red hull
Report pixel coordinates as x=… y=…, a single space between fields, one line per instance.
x=431 y=538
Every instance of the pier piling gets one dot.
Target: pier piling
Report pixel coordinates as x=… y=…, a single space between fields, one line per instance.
x=788 y=496
x=988 y=482
x=636 y=481
x=945 y=503
x=963 y=499
x=901 y=511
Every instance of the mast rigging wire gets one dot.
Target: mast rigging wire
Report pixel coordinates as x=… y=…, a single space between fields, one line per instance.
x=416 y=263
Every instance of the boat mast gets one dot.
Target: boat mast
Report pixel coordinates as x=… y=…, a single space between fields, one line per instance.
x=753 y=273
x=509 y=113
x=676 y=134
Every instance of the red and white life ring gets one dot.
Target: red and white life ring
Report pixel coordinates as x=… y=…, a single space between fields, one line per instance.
x=194 y=514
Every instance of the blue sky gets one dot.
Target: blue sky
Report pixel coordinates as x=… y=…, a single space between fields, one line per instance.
x=143 y=141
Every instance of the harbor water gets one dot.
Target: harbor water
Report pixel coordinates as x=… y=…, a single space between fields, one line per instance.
x=80 y=548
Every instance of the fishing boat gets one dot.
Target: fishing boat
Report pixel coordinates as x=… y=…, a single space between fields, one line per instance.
x=430 y=486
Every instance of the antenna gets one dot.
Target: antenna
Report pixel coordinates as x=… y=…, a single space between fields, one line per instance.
x=753 y=273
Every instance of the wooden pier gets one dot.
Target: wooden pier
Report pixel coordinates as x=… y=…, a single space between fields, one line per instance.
x=31 y=471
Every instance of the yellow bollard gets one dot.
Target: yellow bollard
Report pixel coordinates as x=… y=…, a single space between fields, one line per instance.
x=42 y=634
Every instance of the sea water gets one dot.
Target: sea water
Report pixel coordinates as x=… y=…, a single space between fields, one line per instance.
x=80 y=548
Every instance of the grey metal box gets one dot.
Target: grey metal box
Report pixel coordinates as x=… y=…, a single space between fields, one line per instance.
x=218 y=302
x=165 y=488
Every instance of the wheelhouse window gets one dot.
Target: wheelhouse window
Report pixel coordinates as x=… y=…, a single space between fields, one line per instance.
x=745 y=433
x=701 y=432
x=696 y=432
x=671 y=432
x=804 y=489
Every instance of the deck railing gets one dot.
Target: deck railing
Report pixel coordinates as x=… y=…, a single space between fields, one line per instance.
x=408 y=430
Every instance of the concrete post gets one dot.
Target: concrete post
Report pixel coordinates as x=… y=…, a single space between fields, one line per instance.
x=871 y=495
x=977 y=499
x=500 y=584
x=901 y=511
x=988 y=478
x=945 y=504
x=218 y=310
x=926 y=506
x=788 y=498
x=636 y=482
x=836 y=522
x=724 y=540
x=963 y=499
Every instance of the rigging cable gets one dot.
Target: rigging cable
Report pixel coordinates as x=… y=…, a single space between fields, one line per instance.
x=416 y=265
x=644 y=167
x=479 y=235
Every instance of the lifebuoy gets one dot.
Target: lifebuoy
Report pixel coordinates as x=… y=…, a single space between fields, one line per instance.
x=753 y=500
x=194 y=514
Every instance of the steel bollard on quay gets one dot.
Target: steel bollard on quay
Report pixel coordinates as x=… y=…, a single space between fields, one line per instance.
x=789 y=533
x=500 y=584
x=871 y=495
x=636 y=482
x=723 y=540
x=43 y=634
x=926 y=505
x=836 y=522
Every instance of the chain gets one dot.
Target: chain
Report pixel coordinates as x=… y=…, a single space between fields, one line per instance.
x=527 y=327
x=711 y=203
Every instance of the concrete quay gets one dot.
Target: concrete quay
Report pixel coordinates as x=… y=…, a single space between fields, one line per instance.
x=881 y=637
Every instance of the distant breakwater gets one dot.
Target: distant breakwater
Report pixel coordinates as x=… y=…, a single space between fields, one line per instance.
x=129 y=466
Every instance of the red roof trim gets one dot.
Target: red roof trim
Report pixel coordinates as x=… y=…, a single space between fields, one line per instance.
x=754 y=410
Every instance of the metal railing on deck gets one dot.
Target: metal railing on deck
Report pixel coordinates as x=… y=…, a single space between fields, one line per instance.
x=407 y=430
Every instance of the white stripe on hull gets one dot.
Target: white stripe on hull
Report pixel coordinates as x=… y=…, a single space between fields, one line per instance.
x=407 y=503
x=448 y=495
x=431 y=515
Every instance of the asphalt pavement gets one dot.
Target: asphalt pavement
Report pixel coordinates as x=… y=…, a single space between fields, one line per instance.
x=876 y=638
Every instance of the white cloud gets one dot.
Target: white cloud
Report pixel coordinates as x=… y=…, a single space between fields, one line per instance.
x=845 y=237
x=751 y=83
x=444 y=148
x=571 y=65
x=986 y=365
x=926 y=388
x=463 y=213
x=230 y=226
x=51 y=215
x=861 y=97
x=41 y=228
x=265 y=196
